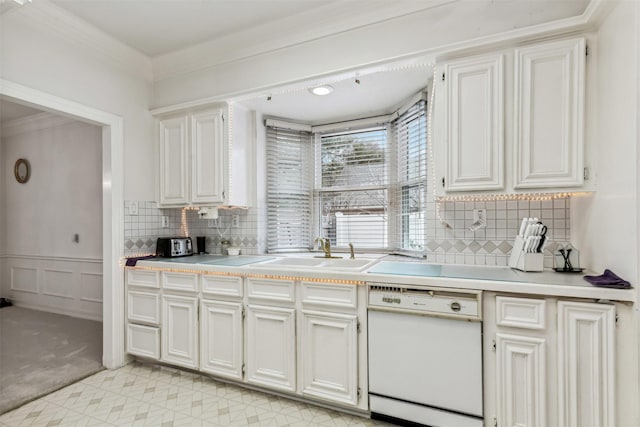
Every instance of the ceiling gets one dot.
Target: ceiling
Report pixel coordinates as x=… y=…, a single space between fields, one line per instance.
x=11 y=111
x=157 y=27
x=376 y=93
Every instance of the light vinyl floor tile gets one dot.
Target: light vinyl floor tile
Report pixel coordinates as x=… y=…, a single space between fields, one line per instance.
x=140 y=394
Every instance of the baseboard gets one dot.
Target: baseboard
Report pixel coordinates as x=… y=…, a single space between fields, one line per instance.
x=65 y=312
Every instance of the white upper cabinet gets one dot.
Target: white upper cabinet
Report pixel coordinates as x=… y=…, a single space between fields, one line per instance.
x=207 y=157
x=474 y=123
x=174 y=152
x=549 y=114
x=512 y=120
x=192 y=159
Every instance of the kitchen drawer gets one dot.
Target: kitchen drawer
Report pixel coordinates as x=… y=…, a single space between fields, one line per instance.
x=271 y=290
x=222 y=286
x=143 y=341
x=180 y=281
x=329 y=295
x=143 y=307
x=525 y=313
x=146 y=278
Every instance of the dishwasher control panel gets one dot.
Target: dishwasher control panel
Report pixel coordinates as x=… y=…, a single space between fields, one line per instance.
x=427 y=301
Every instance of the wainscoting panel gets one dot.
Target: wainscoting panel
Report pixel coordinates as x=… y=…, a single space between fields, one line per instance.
x=91 y=289
x=57 y=283
x=70 y=286
x=24 y=279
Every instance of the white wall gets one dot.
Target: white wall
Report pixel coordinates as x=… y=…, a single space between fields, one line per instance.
x=39 y=51
x=2 y=205
x=604 y=225
x=63 y=196
x=42 y=266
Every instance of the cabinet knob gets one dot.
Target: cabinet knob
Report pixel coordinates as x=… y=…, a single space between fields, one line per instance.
x=455 y=306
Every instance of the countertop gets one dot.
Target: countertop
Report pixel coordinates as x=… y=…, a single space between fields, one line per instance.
x=407 y=272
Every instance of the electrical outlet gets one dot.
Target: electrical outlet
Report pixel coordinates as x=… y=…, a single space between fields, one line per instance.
x=133 y=208
x=165 y=221
x=480 y=215
x=211 y=223
x=235 y=221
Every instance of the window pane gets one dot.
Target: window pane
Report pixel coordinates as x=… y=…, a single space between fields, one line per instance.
x=411 y=138
x=288 y=189
x=359 y=217
x=412 y=217
x=354 y=159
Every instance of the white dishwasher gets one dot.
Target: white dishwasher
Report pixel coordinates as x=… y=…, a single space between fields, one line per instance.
x=425 y=355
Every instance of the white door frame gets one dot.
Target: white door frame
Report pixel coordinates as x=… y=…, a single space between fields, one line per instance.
x=112 y=206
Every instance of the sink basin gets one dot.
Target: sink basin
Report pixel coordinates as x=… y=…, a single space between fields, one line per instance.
x=295 y=262
x=342 y=264
x=348 y=264
x=236 y=261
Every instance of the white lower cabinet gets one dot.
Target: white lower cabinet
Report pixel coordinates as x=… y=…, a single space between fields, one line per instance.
x=180 y=331
x=300 y=338
x=559 y=375
x=221 y=338
x=586 y=364
x=330 y=356
x=143 y=341
x=521 y=380
x=271 y=347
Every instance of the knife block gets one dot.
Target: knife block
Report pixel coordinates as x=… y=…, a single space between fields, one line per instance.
x=525 y=261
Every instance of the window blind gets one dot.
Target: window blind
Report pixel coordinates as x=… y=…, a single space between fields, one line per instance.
x=352 y=181
x=410 y=191
x=289 y=189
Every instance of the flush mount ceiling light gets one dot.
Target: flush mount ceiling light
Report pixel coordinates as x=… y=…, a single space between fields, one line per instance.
x=321 y=90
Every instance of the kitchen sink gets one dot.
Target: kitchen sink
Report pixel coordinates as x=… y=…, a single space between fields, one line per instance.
x=348 y=264
x=295 y=262
x=342 y=264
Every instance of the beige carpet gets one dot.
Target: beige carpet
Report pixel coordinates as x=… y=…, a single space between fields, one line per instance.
x=41 y=352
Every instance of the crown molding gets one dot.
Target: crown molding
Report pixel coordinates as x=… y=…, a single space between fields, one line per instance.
x=589 y=20
x=45 y=14
x=33 y=123
x=284 y=33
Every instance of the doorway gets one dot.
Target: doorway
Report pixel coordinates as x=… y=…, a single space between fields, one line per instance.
x=113 y=355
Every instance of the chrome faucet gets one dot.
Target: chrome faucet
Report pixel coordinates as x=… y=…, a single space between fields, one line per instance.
x=353 y=255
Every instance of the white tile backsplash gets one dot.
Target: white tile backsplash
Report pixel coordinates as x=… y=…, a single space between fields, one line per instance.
x=490 y=245
x=141 y=231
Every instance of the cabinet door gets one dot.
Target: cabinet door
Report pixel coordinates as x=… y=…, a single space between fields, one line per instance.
x=173 y=170
x=586 y=364
x=271 y=347
x=143 y=341
x=330 y=357
x=521 y=384
x=474 y=123
x=208 y=161
x=549 y=114
x=221 y=338
x=143 y=307
x=180 y=331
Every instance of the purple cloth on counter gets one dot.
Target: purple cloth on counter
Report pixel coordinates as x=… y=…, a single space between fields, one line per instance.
x=131 y=262
x=608 y=280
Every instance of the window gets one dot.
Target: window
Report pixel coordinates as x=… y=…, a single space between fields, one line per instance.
x=411 y=139
x=353 y=187
x=369 y=190
x=289 y=189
